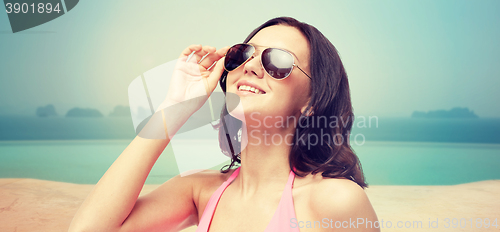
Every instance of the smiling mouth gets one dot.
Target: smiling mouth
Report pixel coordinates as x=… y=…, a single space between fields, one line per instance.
x=247 y=88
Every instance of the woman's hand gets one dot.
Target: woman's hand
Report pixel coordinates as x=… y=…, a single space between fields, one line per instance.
x=194 y=81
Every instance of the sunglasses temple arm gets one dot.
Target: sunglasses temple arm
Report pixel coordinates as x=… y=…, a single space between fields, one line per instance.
x=302 y=71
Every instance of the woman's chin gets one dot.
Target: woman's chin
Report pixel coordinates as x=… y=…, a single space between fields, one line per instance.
x=238 y=112
x=245 y=114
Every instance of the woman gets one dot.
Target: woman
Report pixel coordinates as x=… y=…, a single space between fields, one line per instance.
x=296 y=174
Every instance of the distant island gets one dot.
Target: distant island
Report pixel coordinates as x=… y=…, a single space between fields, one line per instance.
x=120 y=111
x=79 y=112
x=46 y=111
x=456 y=112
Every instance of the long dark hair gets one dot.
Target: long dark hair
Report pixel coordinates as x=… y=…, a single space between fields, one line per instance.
x=332 y=115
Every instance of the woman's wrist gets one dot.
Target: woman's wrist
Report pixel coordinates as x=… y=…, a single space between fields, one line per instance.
x=165 y=122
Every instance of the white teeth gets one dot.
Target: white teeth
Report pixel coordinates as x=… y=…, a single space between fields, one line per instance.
x=251 y=89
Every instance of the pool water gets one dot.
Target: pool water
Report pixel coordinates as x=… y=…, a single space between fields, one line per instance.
x=384 y=163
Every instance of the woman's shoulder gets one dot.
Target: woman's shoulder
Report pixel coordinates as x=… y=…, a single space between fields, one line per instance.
x=206 y=180
x=204 y=184
x=200 y=182
x=336 y=197
x=337 y=190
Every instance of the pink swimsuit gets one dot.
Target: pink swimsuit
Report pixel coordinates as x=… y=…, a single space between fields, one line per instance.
x=281 y=221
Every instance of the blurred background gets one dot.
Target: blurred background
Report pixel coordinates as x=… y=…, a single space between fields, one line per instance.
x=424 y=81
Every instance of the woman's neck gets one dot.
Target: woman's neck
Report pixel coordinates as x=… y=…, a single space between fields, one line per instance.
x=264 y=159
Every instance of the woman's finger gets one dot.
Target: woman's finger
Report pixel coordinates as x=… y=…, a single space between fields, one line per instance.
x=216 y=73
x=208 y=59
x=189 y=50
x=222 y=52
x=189 y=55
x=199 y=55
x=212 y=57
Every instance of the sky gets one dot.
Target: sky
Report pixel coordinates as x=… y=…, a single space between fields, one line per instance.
x=400 y=56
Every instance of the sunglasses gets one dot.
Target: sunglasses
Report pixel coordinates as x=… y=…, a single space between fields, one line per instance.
x=278 y=63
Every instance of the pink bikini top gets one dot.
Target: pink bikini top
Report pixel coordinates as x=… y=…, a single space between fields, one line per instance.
x=281 y=221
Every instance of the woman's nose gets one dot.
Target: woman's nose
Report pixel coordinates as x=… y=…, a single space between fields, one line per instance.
x=253 y=66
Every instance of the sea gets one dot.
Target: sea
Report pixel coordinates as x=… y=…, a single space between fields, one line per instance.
x=392 y=151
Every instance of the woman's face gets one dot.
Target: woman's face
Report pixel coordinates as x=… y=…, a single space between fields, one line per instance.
x=284 y=97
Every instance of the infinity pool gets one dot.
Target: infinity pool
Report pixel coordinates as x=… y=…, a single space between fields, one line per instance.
x=384 y=163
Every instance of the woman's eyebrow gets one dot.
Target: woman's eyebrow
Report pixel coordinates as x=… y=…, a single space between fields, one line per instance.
x=255 y=45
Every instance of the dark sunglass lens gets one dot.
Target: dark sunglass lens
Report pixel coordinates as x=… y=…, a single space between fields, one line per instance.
x=237 y=55
x=277 y=63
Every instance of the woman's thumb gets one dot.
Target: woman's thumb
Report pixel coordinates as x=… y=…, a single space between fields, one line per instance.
x=216 y=73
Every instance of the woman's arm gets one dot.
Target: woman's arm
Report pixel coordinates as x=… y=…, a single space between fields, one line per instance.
x=114 y=196
x=113 y=204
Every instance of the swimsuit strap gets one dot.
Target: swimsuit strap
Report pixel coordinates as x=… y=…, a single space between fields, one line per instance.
x=285 y=213
x=208 y=213
x=233 y=176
